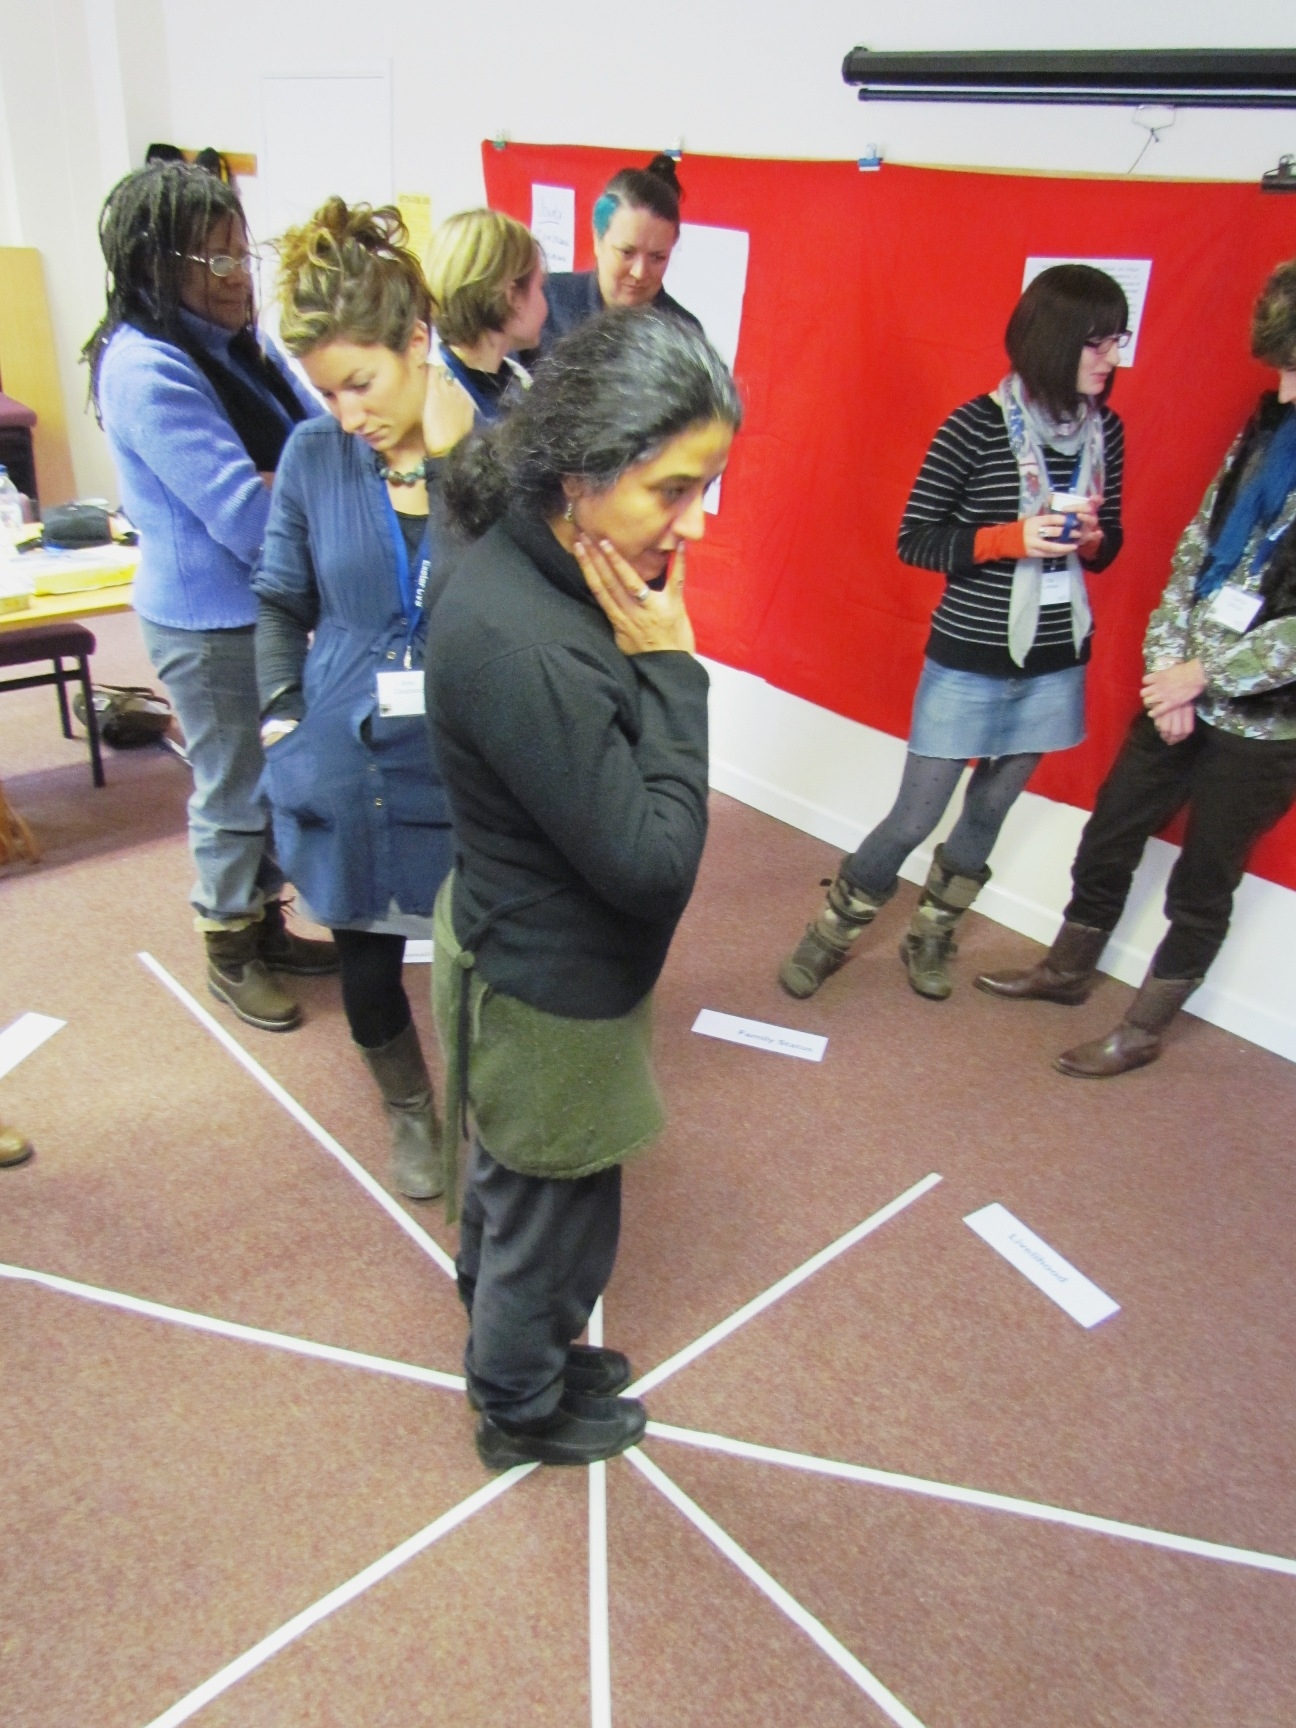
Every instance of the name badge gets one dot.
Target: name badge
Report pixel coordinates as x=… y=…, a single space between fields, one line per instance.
x=1055 y=588
x=1234 y=609
x=400 y=693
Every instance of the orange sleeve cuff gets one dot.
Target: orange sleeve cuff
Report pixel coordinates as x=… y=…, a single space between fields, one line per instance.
x=1003 y=540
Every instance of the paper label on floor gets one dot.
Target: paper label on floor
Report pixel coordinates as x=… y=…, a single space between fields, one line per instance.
x=783 y=1040
x=26 y=1034
x=1044 y=1266
x=418 y=951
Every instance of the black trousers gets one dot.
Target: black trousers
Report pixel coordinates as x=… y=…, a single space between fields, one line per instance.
x=535 y=1254
x=1235 y=789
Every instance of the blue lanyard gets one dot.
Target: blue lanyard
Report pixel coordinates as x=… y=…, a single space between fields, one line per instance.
x=412 y=593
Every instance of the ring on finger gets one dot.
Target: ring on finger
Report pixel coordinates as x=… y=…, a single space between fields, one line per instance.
x=642 y=596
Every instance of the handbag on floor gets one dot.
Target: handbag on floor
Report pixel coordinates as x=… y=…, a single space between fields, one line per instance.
x=130 y=715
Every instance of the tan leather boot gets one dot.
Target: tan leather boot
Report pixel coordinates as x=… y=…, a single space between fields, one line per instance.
x=927 y=947
x=15 y=1147
x=826 y=945
x=406 y=1089
x=1067 y=973
x=1137 y=1040
x=237 y=976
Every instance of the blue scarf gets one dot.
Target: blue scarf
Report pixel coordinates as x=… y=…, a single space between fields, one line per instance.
x=1255 y=506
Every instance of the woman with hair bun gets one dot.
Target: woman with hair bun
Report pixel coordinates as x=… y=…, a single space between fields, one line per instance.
x=570 y=722
x=486 y=275
x=353 y=542
x=1018 y=496
x=636 y=226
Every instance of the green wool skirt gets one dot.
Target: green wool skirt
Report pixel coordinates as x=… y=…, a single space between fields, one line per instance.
x=548 y=1095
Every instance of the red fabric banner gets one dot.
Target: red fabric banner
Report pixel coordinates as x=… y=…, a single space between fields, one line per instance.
x=875 y=304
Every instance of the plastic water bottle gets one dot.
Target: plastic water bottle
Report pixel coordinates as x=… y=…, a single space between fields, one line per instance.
x=11 y=512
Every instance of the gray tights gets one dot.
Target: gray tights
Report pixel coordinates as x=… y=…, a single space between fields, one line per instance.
x=925 y=789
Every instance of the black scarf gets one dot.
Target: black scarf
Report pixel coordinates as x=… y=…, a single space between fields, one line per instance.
x=260 y=430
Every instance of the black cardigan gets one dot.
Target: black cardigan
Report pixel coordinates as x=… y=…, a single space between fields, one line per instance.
x=577 y=778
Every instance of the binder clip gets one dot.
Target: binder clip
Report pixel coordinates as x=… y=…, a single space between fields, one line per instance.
x=1282 y=178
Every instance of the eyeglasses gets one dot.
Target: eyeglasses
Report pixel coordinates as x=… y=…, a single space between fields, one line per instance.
x=221 y=264
x=1099 y=344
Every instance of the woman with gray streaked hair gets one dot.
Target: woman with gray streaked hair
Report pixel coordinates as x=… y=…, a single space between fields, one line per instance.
x=569 y=719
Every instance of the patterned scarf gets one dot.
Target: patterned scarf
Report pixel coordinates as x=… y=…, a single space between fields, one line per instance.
x=1030 y=430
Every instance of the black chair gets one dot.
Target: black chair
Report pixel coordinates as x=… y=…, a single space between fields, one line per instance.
x=56 y=643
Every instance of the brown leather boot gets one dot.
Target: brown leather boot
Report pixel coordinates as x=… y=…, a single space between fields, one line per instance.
x=1137 y=1040
x=282 y=951
x=1067 y=973
x=237 y=975
x=929 y=943
x=406 y=1089
x=15 y=1147
x=826 y=945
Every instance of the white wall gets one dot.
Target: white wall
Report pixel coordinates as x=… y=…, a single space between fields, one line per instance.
x=63 y=142
x=762 y=78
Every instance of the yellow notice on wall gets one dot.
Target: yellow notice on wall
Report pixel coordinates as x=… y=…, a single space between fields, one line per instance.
x=416 y=214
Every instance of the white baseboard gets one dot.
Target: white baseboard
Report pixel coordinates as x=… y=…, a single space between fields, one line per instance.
x=835 y=779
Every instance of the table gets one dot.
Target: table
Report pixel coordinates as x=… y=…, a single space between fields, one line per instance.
x=65 y=568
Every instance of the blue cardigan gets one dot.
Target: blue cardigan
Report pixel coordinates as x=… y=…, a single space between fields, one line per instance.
x=186 y=481
x=360 y=815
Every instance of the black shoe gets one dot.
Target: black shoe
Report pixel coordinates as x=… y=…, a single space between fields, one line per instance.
x=590 y=1369
x=581 y=1431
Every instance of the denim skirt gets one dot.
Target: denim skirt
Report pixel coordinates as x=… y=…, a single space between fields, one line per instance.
x=962 y=715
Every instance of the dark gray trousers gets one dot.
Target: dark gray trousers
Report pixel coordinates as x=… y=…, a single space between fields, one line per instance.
x=535 y=1254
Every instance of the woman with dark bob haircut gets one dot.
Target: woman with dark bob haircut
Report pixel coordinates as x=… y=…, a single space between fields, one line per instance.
x=1218 y=733
x=636 y=227
x=570 y=722
x=1018 y=496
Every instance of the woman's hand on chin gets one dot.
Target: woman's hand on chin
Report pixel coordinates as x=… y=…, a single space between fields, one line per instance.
x=643 y=620
x=448 y=412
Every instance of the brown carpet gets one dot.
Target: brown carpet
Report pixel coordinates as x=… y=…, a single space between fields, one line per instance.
x=170 y=1498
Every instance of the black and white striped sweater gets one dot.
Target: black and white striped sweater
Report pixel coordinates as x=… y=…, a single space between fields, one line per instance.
x=969 y=480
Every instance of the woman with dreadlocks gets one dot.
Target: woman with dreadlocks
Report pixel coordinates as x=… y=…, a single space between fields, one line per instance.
x=197 y=412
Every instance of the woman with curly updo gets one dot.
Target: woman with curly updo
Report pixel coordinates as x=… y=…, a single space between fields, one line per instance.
x=353 y=543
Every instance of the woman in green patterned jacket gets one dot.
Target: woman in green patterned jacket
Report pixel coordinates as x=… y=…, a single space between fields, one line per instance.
x=1218 y=734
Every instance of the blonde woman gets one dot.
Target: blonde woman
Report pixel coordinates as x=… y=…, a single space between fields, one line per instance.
x=487 y=278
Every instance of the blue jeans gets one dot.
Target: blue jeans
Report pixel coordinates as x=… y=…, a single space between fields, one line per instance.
x=210 y=676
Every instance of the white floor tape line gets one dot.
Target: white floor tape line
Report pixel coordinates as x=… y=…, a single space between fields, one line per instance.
x=599 y=1633
x=234 y=1329
x=27 y=1033
x=758 y=1304
x=293 y=1629
x=978 y=1497
x=351 y=1165
x=836 y=1651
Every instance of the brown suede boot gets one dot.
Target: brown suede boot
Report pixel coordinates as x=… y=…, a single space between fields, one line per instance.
x=282 y=951
x=1137 y=1040
x=927 y=947
x=826 y=945
x=1067 y=973
x=237 y=975
x=15 y=1147
x=406 y=1089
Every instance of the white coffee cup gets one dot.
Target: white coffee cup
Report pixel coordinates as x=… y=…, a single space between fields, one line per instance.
x=1068 y=503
